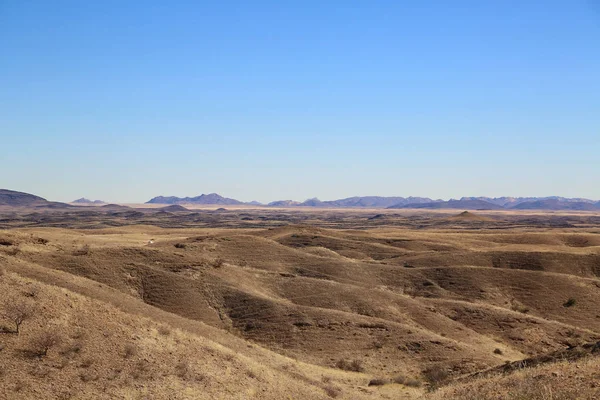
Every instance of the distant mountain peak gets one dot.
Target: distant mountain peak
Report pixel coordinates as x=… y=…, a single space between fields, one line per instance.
x=211 y=198
x=83 y=200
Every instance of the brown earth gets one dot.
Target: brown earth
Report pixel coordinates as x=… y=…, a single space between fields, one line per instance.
x=285 y=304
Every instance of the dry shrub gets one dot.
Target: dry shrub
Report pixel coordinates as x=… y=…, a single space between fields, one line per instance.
x=18 y=311
x=39 y=371
x=78 y=334
x=82 y=251
x=129 y=350
x=570 y=302
x=88 y=376
x=40 y=240
x=377 y=382
x=218 y=262
x=72 y=350
x=498 y=351
x=62 y=363
x=13 y=251
x=251 y=374
x=113 y=374
x=332 y=391
x=6 y=242
x=164 y=330
x=32 y=291
x=182 y=369
x=43 y=342
x=515 y=306
x=355 y=365
x=88 y=362
x=435 y=375
x=19 y=386
x=180 y=245
x=143 y=370
x=412 y=382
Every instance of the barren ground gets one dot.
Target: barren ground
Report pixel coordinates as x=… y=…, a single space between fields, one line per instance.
x=282 y=303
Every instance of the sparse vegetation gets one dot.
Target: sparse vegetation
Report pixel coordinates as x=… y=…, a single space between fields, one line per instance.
x=141 y=347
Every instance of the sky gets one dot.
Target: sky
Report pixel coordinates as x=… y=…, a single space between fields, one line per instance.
x=268 y=100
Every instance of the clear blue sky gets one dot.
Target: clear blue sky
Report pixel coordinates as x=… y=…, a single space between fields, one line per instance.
x=266 y=100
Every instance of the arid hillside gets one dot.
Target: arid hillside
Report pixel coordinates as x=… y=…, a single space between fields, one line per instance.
x=296 y=310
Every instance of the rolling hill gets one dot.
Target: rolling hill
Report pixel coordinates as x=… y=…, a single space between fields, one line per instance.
x=19 y=199
x=441 y=308
x=11 y=198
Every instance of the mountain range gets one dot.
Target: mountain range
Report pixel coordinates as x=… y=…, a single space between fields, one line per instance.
x=469 y=203
x=18 y=199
